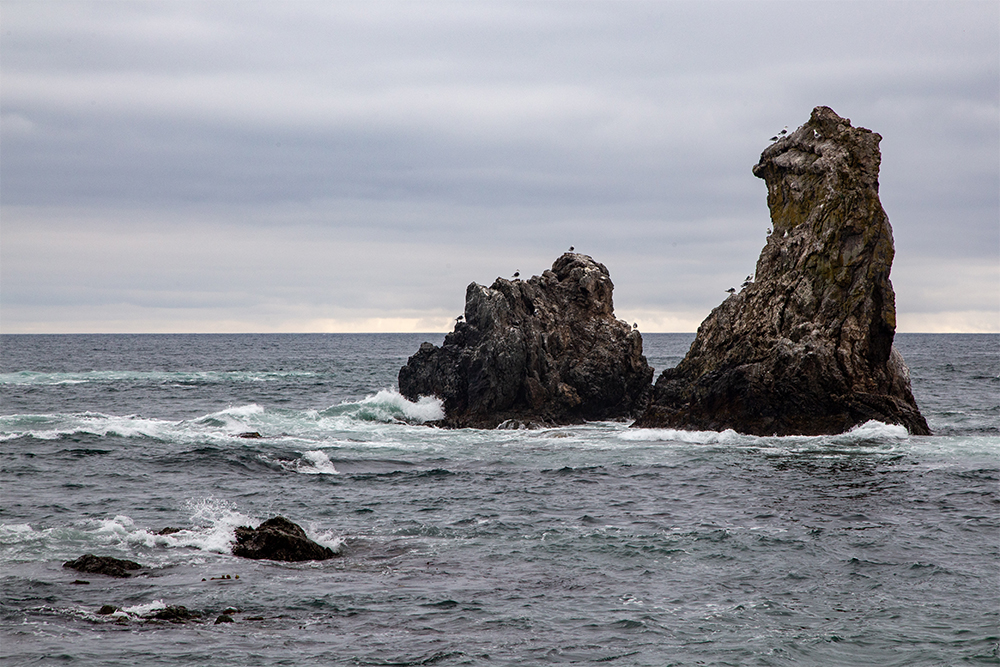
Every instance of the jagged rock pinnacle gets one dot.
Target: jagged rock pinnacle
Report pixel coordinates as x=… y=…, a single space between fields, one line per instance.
x=807 y=347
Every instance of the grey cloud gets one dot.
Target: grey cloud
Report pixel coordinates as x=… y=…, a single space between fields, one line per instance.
x=441 y=129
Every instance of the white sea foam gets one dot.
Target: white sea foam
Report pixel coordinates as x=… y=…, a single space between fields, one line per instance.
x=317 y=463
x=726 y=437
x=215 y=522
x=389 y=404
x=873 y=430
x=869 y=431
x=16 y=532
x=143 y=609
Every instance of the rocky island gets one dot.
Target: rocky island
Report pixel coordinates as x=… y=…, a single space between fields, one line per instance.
x=547 y=350
x=807 y=347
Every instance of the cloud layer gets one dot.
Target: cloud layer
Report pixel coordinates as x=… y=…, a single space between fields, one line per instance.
x=336 y=166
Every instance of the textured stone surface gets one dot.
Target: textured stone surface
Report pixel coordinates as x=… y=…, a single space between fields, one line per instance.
x=547 y=350
x=278 y=539
x=807 y=347
x=112 y=567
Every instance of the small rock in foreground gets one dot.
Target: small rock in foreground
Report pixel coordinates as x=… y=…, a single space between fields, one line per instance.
x=113 y=567
x=278 y=539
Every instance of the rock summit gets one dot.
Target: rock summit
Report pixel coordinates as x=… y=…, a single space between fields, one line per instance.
x=547 y=350
x=806 y=347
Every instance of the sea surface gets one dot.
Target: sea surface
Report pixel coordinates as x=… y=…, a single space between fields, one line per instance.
x=593 y=544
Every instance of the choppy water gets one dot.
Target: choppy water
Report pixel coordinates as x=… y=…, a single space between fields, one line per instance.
x=589 y=544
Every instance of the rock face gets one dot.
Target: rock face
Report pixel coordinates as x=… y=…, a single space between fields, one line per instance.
x=112 y=567
x=547 y=350
x=278 y=539
x=806 y=348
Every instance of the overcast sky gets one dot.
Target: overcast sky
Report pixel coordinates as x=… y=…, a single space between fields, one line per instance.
x=333 y=166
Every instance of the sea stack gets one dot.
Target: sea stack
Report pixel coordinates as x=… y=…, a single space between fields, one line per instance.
x=807 y=347
x=542 y=351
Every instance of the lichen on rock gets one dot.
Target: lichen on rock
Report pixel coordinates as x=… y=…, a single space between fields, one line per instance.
x=806 y=348
x=547 y=350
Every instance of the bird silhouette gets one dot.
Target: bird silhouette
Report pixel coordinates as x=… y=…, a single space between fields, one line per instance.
x=571 y=248
x=731 y=290
x=517 y=273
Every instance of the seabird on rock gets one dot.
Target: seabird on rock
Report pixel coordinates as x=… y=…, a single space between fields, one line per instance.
x=731 y=290
x=517 y=273
x=783 y=132
x=571 y=248
x=774 y=138
x=816 y=134
x=460 y=318
x=635 y=325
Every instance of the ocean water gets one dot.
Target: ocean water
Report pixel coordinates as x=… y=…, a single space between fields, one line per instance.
x=583 y=544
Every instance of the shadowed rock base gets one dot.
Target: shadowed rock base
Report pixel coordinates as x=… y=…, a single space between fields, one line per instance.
x=806 y=348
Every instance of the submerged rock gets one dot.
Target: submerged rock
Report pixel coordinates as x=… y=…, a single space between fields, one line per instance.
x=113 y=567
x=178 y=614
x=547 y=350
x=806 y=348
x=278 y=539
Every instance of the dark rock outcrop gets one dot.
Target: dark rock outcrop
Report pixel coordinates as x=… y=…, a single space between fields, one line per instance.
x=806 y=348
x=113 y=567
x=547 y=350
x=278 y=539
x=178 y=614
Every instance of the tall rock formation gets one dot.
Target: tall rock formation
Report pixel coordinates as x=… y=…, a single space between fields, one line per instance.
x=806 y=348
x=547 y=350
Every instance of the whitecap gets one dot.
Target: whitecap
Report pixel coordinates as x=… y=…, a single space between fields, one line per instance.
x=318 y=463
x=727 y=437
x=143 y=609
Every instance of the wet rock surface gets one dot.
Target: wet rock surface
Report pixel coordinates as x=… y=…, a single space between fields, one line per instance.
x=278 y=539
x=107 y=565
x=547 y=350
x=806 y=348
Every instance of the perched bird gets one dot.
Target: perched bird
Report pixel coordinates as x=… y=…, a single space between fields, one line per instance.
x=768 y=231
x=750 y=278
x=731 y=290
x=571 y=248
x=817 y=135
x=460 y=318
x=746 y=284
x=635 y=325
x=783 y=132
x=517 y=273
x=774 y=138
